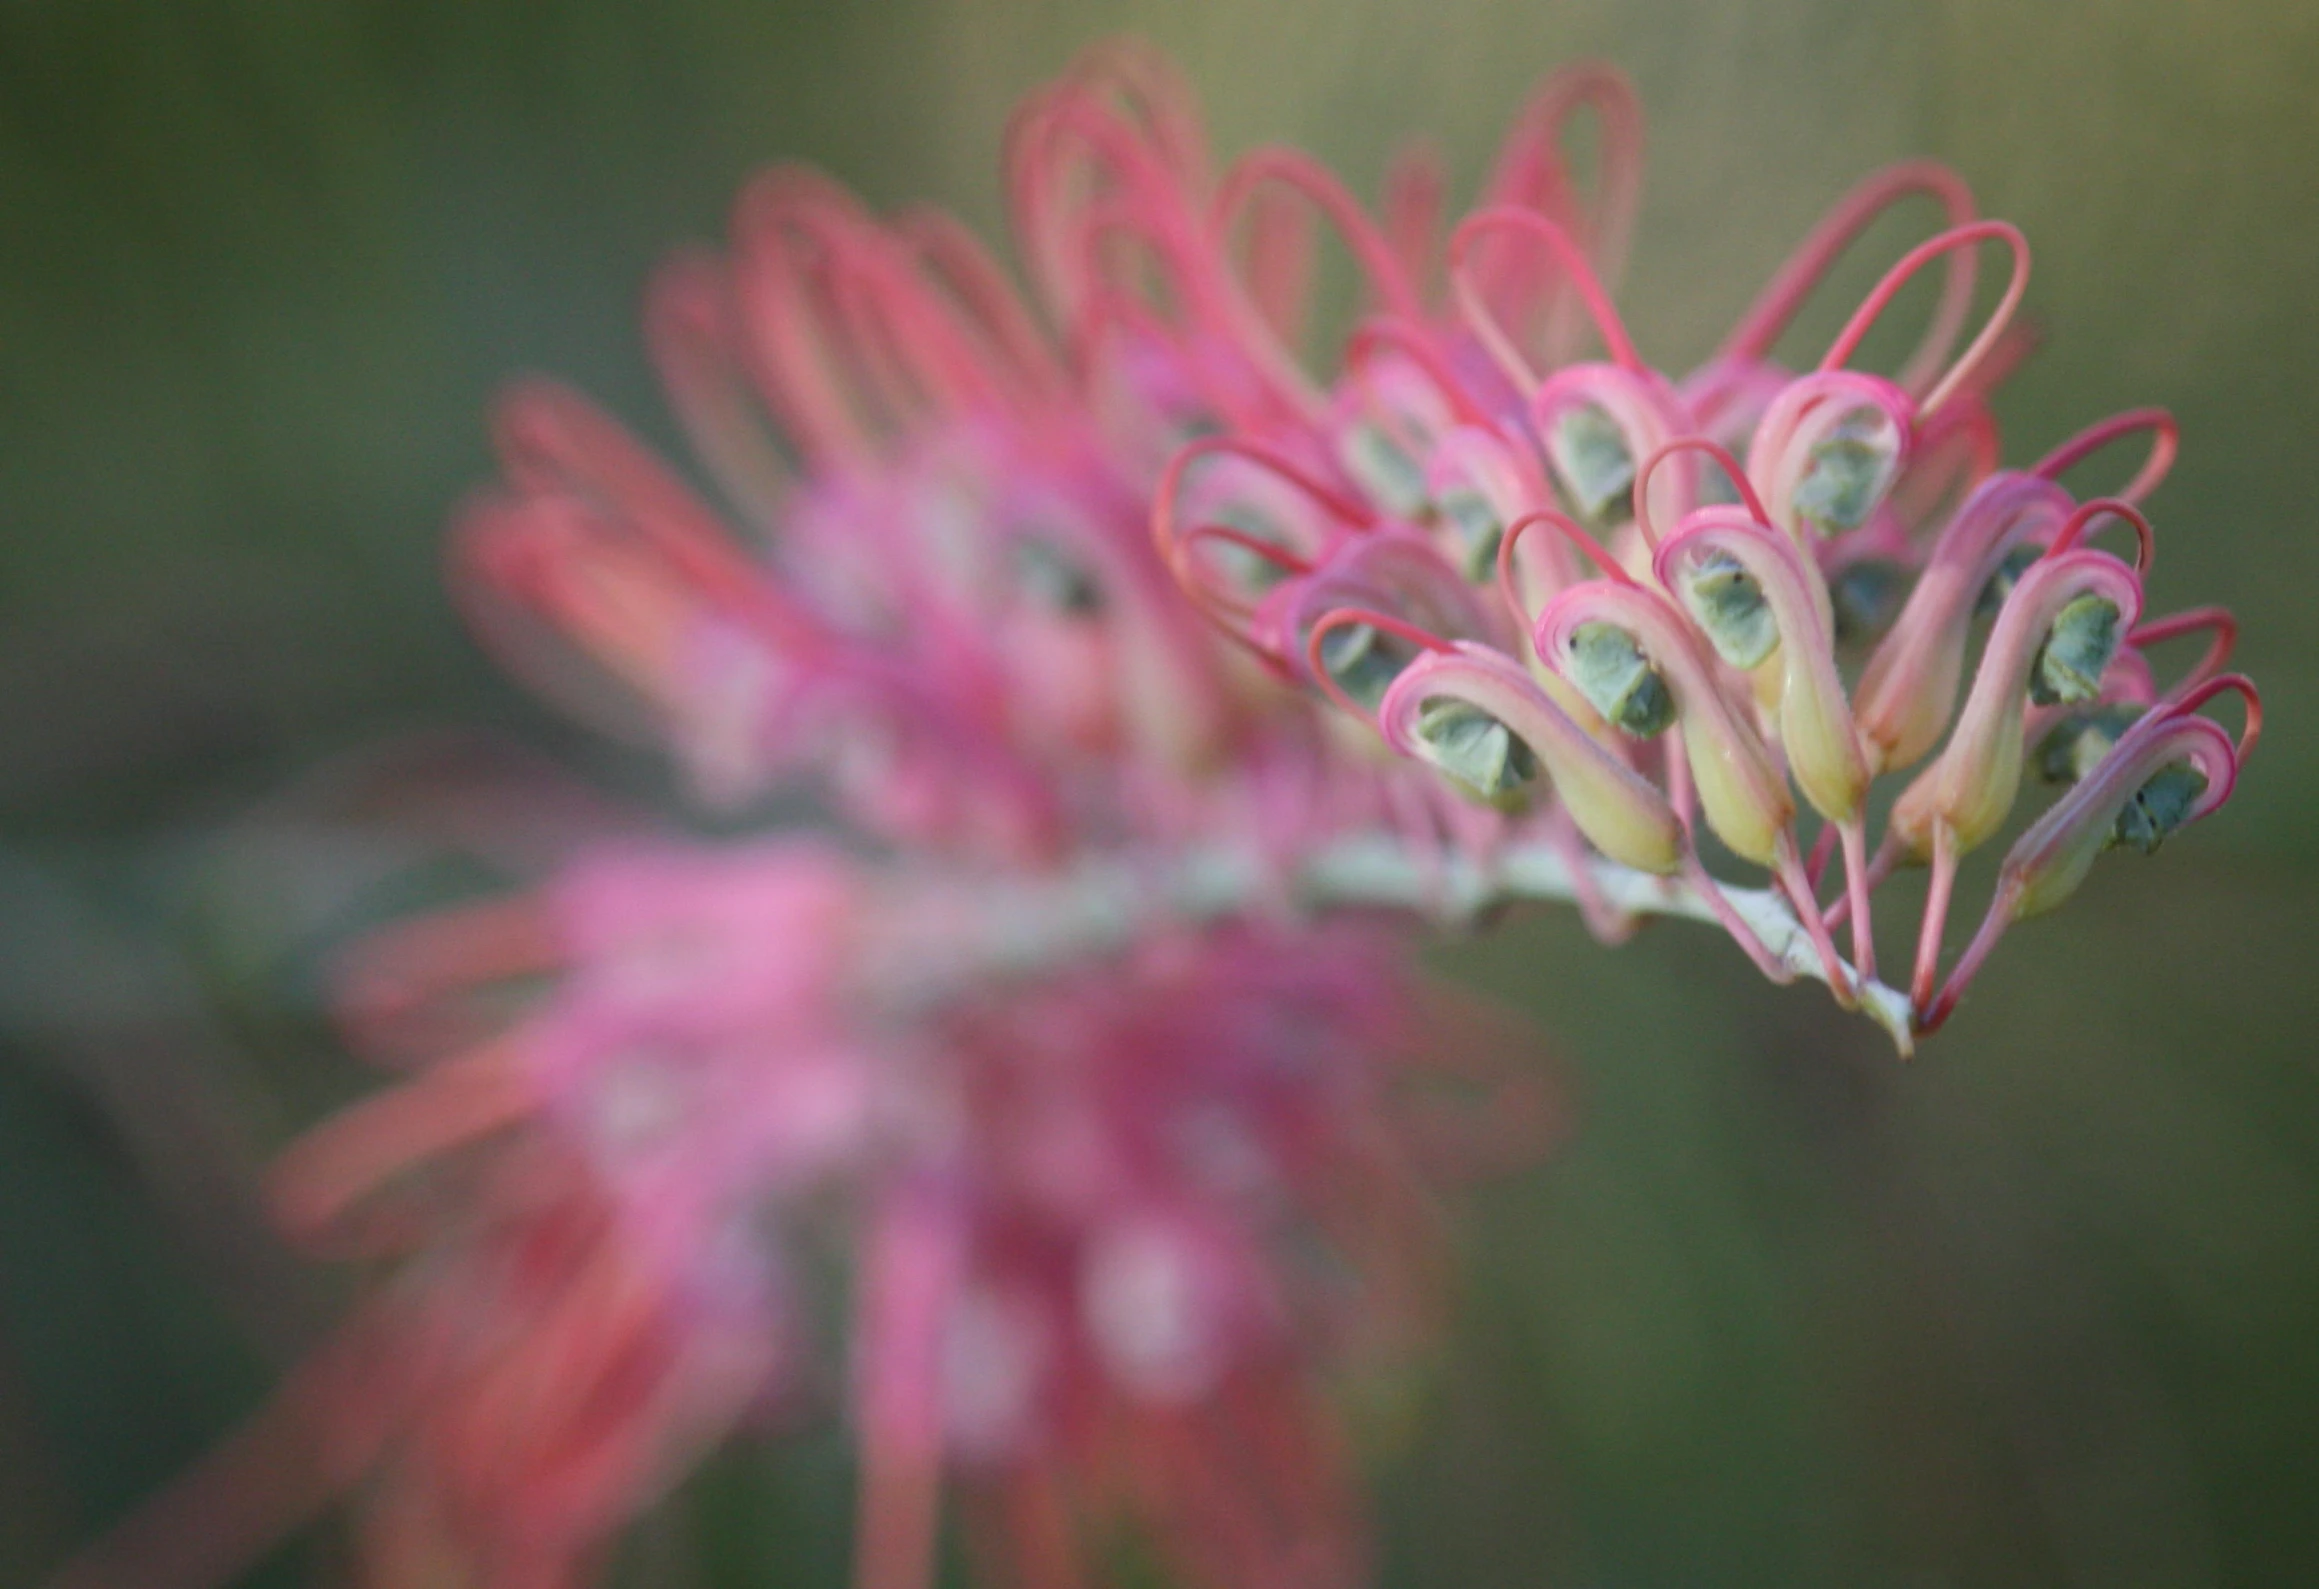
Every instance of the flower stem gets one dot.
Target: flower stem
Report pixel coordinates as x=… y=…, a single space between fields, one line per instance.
x=948 y=934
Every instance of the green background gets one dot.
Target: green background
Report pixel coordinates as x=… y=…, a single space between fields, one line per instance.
x=2041 y=1308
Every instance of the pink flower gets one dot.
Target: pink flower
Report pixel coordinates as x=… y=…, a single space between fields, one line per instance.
x=1525 y=568
x=1126 y=649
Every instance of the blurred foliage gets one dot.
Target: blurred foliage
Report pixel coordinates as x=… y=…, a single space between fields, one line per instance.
x=2042 y=1308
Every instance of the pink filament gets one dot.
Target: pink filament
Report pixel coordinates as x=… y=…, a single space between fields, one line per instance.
x=1723 y=458
x=2217 y=620
x=2077 y=526
x=1776 y=306
x=2165 y=437
x=1338 y=617
x=1484 y=324
x=1971 y=235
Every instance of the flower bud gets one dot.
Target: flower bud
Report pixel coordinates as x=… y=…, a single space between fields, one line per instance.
x=1583 y=634
x=1599 y=422
x=1848 y=471
x=2161 y=805
x=1395 y=576
x=2166 y=772
x=1827 y=451
x=1757 y=580
x=1909 y=687
x=1475 y=715
x=1971 y=788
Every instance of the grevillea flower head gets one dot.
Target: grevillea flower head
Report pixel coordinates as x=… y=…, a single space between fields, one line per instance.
x=1126 y=649
x=1764 y=585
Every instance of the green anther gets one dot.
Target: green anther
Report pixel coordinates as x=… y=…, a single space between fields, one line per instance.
x=1476 y=750
x=1866 y=597
x=2159 y=807
x=1848 y=472
x=1364 y=660
x=2069 y=666
x=1591 y=458
x=1729 y=604
x=1386 y=470
x=1611 y=671
x=2079 y=742
x=1054 y=580
x=2001 y=583
x=1475 y=521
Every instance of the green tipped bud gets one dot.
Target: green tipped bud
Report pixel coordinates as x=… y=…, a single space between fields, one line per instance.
x=1866 y=597
x=1611 y=671
x=1728 y=603
x=2159 y=807
x=1476 y=751
x=1849 y=472
x=1364 y=660
x=1475 y=520
x=2078 y=743
x=2079 y=646
x=1591 y=459
x=2001 y=583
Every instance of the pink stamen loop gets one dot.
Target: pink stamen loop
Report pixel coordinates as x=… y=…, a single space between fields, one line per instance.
x=1723 y=458
x=1568 y=528
x=1483 y=322
x=1789 y=289
x=1344 y=617
x=1299 y=172
x=1872 y=308
x=2079 y=524
x=2217 y=621
x=2165 y=438
x=1409 y=340
x=2237 y=684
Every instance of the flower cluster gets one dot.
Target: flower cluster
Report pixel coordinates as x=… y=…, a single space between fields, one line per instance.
x=1153 y=676
x=1723 y=607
